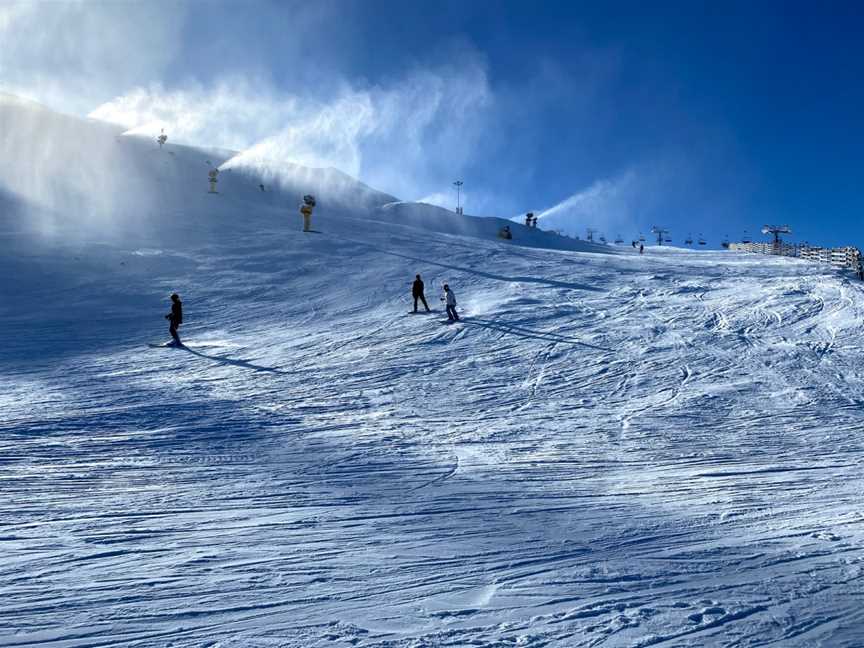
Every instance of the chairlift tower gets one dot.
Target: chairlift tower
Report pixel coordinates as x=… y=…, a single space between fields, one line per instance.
x=661 y=233
x=776 y=231
x=458 y=184
x=589 y=235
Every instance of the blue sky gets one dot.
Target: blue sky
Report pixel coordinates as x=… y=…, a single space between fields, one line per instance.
x=710 y=118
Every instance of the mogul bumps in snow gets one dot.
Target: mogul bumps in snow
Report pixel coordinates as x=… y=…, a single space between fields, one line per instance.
x=450 y=300
x=175 y=319
x=417 y=293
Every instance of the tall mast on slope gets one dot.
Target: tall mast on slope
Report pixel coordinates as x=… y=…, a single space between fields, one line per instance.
x=458 y=184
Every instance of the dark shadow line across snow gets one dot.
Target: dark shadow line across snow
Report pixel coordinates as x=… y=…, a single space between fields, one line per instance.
x=237 y=363
x=480 y=273
x=527 y=333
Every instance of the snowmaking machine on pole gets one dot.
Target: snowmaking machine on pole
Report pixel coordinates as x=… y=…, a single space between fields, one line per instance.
x=306 y=210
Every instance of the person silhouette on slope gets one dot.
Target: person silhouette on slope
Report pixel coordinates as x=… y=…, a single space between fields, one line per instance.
x=449 y=300
x=417 y=293
x=175 y=319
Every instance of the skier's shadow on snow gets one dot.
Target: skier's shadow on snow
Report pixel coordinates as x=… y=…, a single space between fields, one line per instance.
x=236 y=363
x=520 y=331
x=488 y=275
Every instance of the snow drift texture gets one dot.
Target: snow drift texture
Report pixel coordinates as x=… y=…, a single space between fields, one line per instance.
x=610 y=450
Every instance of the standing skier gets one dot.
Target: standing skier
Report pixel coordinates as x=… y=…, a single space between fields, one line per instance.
x=450 y=300
x=641 y=248
x=175 y=318
x=417 y=293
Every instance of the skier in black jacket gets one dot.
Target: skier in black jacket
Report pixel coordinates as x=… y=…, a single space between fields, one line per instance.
x=175 y=318
x=417 y=293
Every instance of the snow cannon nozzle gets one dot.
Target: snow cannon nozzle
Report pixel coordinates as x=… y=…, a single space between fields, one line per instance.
x=309 y=199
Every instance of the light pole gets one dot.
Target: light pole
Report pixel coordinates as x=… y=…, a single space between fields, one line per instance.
x=458 y=185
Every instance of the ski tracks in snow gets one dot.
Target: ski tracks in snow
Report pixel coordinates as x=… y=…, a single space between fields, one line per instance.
x=669 y=458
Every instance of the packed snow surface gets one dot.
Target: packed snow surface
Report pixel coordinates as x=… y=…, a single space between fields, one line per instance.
x=608 y=450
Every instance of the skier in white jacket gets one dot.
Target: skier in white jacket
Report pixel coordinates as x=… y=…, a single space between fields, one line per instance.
x=450 y=300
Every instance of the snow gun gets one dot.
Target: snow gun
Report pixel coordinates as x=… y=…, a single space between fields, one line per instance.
x=306 y=210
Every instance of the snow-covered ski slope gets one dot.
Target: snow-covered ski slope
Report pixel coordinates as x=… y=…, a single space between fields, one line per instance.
x=610 y=450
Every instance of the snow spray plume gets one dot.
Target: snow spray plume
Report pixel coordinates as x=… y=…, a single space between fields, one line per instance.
x=403 y=138
x=74 y=55
x=231 y=114
x=75 y=176
x=607 y=204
